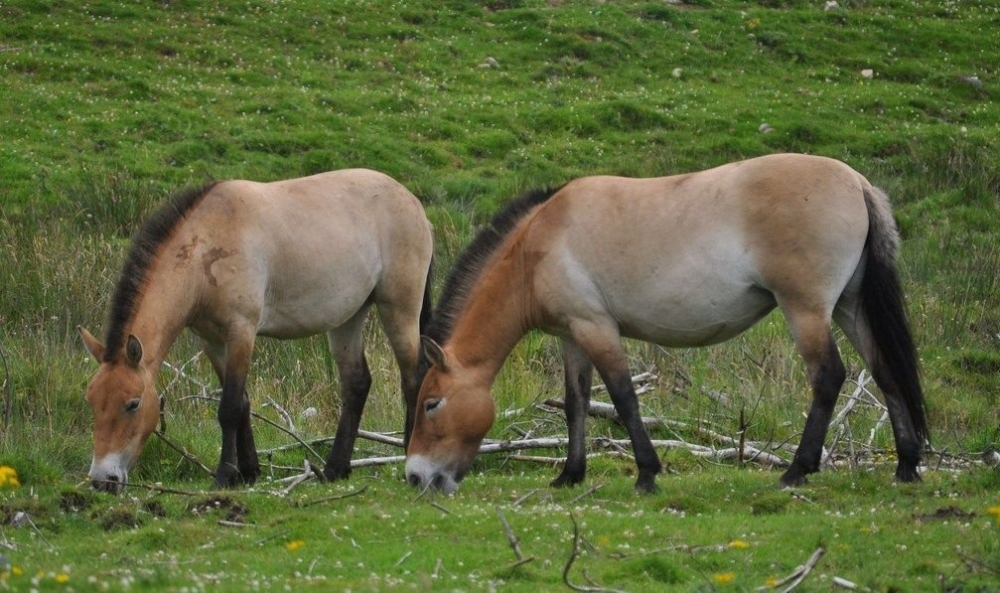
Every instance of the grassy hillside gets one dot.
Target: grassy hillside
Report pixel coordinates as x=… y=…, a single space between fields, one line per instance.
x=107 y=108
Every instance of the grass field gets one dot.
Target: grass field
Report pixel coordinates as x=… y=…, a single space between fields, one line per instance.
x=107 y=108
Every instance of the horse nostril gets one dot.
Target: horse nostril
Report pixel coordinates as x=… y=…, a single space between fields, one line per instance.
x=413 y=480
x=438 y=482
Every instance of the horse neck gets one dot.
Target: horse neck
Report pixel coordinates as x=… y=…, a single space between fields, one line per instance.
x=159 y=318
x=496 y=316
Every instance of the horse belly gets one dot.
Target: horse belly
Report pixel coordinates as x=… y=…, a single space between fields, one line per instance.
x=683 y=318
x=301 y=302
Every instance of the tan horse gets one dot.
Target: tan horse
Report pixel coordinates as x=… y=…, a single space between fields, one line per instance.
x=238 y=259
x=687 y=260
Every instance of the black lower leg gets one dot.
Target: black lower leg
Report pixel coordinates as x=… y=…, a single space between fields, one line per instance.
x=356 y=381
x=827 y=378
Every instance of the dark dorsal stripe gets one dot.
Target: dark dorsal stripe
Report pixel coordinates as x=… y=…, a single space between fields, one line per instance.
x=147 y=240
x=469 y=264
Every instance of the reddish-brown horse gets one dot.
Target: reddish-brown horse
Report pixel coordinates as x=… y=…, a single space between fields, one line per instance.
x=687 y=260
x=238 y=259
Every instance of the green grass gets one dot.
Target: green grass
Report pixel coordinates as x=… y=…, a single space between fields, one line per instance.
x=109 y=107
x=704 y=529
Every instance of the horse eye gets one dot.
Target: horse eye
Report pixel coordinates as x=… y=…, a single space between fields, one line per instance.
x=432 y=404
x=132 y=405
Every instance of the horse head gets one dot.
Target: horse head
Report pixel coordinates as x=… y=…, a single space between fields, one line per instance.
x=126 y=408
x=454 y=412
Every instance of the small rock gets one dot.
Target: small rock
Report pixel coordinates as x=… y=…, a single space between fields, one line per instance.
x=309 y=412
x=867 y=74
x=20 y=519
x=676 y=73
x=974 y=81
x=489 y=62
x=831 y=5
x=765 y=128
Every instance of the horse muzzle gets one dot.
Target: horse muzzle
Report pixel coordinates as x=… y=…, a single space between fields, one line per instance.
x=110 y=474
x=423 y=473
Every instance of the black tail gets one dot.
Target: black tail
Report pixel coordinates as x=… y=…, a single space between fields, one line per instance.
x=882 y=303
x=427 y=309
x=426 y=316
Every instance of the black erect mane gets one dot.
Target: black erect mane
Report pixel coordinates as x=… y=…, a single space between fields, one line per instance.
x=469 y=264
x=145 y=243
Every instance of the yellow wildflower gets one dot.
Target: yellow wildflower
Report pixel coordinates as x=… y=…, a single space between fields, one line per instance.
x=62 y=578
x=995 y=511
x=724 y=578
x=294 y=545
x=771 y=582
x=8 y=477
x=16 y=570
x=738 y=544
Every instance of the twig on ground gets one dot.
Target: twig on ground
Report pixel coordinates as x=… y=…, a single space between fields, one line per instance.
x=403 y=558
x=307 y=473
x=512 y=539
x=583 y=495
x=439 y=507
x=281 y=412
x=184 y=453
x=526 y=496
x=372 y=461
x=795 y=579
x=381 y=438
x=592 y=588
x=333 y=498
x=225 y=523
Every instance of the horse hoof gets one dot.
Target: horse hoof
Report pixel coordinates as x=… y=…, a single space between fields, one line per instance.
x=908 y=475
x=793 y=479
x=566 y=480
x=646 y=486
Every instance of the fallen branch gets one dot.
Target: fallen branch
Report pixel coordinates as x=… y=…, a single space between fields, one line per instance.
x=512 y=539
x=592 y=588
x=333 y=498
x=795 y=579
x=184 y=453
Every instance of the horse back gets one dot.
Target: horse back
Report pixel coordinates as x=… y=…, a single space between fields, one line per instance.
x=697 y=258
x=299 y=256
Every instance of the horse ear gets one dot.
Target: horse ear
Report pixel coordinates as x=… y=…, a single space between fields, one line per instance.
x=95 y=348
x=133 y=351
x=434 y=353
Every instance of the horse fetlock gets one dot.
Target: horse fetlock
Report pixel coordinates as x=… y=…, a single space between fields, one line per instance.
x=907 y=472
x=336 y=471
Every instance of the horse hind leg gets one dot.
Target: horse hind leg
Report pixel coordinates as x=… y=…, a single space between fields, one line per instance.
x=401 y=323
x=578 y=373
x=347 y=347
x=826 y=373
x=908 y=444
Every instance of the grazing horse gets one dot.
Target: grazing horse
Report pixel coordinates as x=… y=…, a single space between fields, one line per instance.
x=237 y=259
x=680 y=261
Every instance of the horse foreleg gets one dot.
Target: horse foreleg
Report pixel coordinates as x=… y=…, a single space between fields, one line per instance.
x=238 y=462
x=578 y=373
x=826 y=375
x=355 y=382
x=602 y=344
